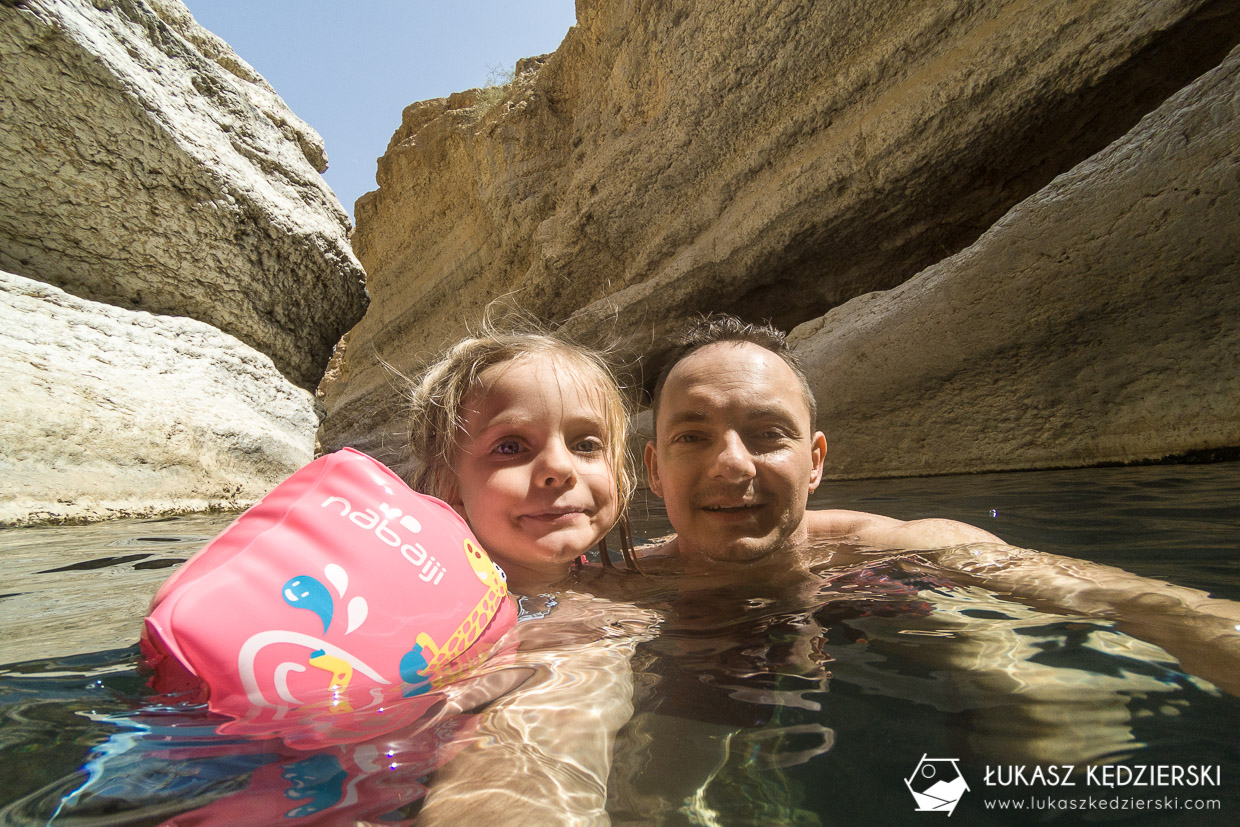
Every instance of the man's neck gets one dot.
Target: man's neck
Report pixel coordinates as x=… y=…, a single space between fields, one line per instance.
x=792 y=554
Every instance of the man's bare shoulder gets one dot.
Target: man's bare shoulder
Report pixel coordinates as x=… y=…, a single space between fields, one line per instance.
x=666 y=546
x=887 y=532
x=837 y=523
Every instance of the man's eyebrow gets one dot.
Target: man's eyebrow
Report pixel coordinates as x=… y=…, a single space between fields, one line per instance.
x=757 y=414
x=684 y=417
x=771 y=413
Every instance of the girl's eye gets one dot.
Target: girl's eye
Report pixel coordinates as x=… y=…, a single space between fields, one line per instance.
x=507 y=448
x=589 y=445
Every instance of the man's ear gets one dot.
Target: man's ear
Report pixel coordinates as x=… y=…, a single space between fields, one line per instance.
x=652 y=469
x=818 y=451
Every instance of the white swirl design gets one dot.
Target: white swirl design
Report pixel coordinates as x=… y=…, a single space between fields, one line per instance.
x=256 y=643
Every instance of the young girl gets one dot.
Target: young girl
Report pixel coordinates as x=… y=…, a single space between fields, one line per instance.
x=523 y=434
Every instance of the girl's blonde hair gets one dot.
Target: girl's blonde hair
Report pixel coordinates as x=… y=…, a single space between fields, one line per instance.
x=436 y=419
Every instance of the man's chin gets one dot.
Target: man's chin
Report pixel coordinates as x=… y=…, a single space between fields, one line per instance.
x=740 y=550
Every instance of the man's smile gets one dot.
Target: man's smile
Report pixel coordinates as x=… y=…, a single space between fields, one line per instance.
x=732 y=510
x=737 y=509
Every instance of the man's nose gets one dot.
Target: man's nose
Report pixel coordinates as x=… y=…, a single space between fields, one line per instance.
x=733 y=461
x=555 y=465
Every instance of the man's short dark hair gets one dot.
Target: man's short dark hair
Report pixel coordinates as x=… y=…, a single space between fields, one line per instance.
x=724 y=327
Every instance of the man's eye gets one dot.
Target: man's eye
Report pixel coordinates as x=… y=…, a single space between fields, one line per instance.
x=507 y=448
x=687 y=438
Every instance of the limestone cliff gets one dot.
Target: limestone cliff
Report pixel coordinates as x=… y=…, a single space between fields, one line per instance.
x=177 y=270
x=143 y=164
x=772 y=158
x=1096 y=322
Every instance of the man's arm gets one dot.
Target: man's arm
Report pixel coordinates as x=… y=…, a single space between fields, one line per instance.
x=1201 y=631
x=887 y=532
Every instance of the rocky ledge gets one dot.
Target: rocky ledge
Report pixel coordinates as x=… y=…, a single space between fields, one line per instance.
x=114 y=412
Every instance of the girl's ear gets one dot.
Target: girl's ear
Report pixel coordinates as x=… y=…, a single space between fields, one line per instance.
x=453 y=498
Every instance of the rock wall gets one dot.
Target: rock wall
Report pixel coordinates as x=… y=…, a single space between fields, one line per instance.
x=143 y=164
x=1094 y=323
x=772 y=158
x=111 y=412
x=178 y=270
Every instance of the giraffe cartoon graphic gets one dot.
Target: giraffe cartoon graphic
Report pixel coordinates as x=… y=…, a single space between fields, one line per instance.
x=427 y=660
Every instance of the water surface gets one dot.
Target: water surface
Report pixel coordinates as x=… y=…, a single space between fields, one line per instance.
x=805 y=701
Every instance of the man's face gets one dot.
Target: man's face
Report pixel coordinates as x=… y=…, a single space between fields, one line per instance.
x=734 y=458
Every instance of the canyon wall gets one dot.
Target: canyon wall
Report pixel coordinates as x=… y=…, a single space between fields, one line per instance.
x=146 y=166
x=773 y=159
x=1094 y=323
x=176 y=270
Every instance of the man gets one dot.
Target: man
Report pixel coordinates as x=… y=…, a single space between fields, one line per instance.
x=735 y=458
x=736 y=455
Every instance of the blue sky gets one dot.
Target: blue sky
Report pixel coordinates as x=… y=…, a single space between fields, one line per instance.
x=350 y=68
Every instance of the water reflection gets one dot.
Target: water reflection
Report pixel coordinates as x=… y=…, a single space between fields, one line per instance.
x=814 y=673
x=86 y=596
x=154 y=758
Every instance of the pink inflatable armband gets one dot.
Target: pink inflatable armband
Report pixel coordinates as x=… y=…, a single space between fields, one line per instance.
x=341 y=591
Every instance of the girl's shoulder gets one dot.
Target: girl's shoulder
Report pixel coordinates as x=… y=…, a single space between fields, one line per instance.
x=572 y=618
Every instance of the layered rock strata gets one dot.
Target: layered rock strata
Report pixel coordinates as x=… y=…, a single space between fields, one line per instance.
x=143 y=164
x=1094 y=323
x=110 y=412
x=774 y=159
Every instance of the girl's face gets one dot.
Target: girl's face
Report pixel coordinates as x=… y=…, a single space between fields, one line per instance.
x=533 y=478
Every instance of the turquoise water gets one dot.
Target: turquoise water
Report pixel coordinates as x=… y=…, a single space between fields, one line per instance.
x=809 y=701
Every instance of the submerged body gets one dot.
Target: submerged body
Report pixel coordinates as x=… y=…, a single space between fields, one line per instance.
x=841 y=679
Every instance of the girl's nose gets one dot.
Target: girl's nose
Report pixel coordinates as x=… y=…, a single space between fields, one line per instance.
x=555 y=466
x=733 y=462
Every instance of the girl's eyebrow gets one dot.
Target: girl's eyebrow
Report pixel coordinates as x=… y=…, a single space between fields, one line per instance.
x=586 y=422
x=508 y=418
x=503 y=421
